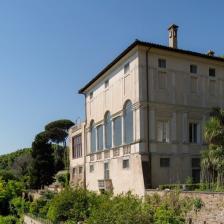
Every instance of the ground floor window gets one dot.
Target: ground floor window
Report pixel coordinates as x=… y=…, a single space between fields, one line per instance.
x=164 y=162
x=125 y=163
x=196 y=170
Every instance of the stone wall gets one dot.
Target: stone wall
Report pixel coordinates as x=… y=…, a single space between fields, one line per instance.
x=212 y=211
x=30 y=220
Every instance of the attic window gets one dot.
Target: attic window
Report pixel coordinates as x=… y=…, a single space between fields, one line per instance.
x=193 y=69
x=211 y=72
x=162 y=63
x=126 y=68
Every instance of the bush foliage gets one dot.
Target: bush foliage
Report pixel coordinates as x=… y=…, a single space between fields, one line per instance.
x=79 y=205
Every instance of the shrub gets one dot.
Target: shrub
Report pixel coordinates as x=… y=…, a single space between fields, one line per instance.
x=72 y=204
x=8 y=220
x=121 y=209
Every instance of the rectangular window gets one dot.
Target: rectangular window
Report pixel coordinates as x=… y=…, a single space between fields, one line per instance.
x=106 y=84
x=212 y=72
x=163 y=131
x=193 y=132
x=193 y=69
x=106 y=171
x=164 y=162
x=117 y=131
x=162 y=76
x=91 y=168
x=126 y=68
x=196 y=170
x=77 y=146
x=100 y=137
x=125 y=163
x=162 y=63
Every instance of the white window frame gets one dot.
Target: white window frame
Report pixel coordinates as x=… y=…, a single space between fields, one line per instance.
x=165 y=131
x=198 y=132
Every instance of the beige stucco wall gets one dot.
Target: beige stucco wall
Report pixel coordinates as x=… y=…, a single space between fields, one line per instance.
x=176 y=103
x=179 y=105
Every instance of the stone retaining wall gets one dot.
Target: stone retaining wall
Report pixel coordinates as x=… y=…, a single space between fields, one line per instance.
x=212 y=211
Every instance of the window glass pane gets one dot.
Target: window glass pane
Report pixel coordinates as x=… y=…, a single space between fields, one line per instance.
x=93 y=138
x=100 y=137
x=125 y=163
x=164 y=162
x=163 y=131
x=117 y=131
x=108 y=131
x=193 y=69
x=128 y=123
x=77 y=146
x=212 y=72
x=162 y=63
x=193 y=132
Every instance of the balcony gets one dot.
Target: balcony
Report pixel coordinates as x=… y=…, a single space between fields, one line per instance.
x=105 y=184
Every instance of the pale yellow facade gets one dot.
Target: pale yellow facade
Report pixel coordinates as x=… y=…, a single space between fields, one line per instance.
x=173 y=98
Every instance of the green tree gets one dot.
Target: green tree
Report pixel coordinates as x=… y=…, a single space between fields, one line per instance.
x=213 y=158
x=58 y=133
x=42 y=169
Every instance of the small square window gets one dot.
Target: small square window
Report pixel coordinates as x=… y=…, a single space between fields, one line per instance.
x=106 y=84
x=91 y=168
x=193 y=69
x=91 y=95
x=162 y=63
x=212 y=72
x=164 y=162
x=126 y=68
x=125 y=163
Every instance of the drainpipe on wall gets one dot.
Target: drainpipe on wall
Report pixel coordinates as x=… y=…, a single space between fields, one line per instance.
x=148 y=125
x=85 y=148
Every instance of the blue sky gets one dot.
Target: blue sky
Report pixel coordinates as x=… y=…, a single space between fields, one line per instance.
x=50 y=48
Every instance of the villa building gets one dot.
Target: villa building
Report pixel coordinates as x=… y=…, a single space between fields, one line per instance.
x=145 y=114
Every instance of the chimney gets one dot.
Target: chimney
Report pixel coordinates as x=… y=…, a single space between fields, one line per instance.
x=211 y=53
x=173 y=35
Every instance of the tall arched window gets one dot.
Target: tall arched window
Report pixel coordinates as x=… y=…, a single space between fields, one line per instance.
x=92 y=137
x=128 y=122
x=108 y=131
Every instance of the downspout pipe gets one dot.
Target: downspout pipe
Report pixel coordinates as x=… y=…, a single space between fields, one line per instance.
x=148 y=114
x=85 y=147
